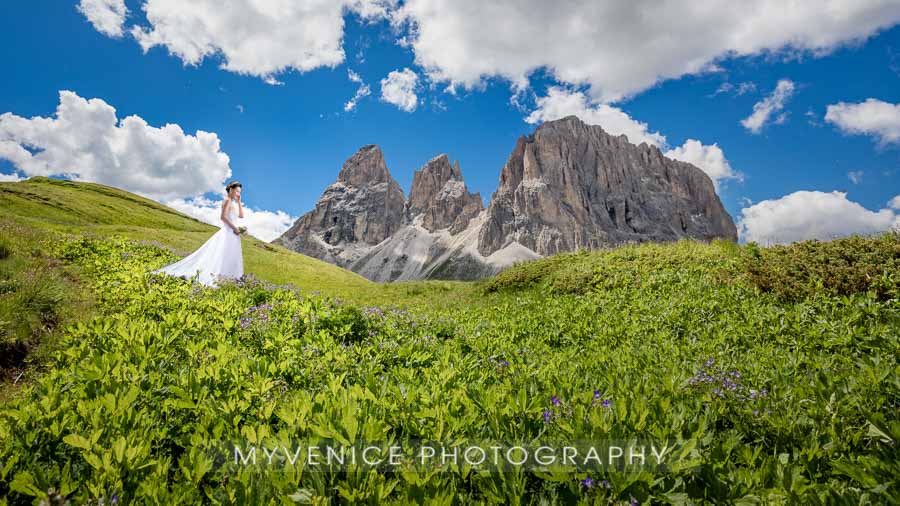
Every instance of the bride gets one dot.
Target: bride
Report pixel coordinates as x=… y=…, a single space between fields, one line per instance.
x=220 y=256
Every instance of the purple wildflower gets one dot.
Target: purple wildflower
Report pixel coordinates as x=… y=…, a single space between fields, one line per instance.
x=547 y=414
x=587 y=482
x=606 y=403
x=374 y=311
x=605 y=484
x=554 y=400
x=596 y=394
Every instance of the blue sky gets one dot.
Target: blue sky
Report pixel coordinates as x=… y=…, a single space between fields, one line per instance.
x=287 y=141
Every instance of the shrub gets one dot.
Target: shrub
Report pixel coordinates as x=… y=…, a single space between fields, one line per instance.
x=345 y=323
x=839 y=267
x=8 y=283
x=533 y=273
x=33 y=308
x=4 y=250
x=610 y=269
x=43 y=298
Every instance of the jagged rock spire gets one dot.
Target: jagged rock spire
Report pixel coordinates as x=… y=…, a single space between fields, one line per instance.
x=440 y=196
x=364 y=206
x=365 y=166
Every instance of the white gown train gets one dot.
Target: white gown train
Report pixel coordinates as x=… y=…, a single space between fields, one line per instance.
x=220 y=256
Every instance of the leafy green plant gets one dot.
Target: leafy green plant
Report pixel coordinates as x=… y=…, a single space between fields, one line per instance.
x=839 y=267
x=347 y=323
x=765 y=400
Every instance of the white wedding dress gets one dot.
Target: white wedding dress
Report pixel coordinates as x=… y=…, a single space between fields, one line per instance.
x=220 y=256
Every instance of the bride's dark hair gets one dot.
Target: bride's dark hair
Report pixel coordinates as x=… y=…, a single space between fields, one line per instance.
x=233 y=184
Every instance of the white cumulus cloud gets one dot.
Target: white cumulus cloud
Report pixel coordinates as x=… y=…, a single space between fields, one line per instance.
x=806 y=215
x=254 y=37
x=264 y=225
x=855 y=176
x=9 y=178
x=709 y=158
x=560 y=102
x=619 y=49
x=895 y=203
x=399 y=88
x=771 y=104
x=354 y=77
x=741 y=89
x=86 y=141
x=107 y=16
x=872 y=117
x=361 y=92
x=616 y=49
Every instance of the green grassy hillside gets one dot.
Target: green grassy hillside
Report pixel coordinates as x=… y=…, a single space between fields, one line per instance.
x=772 y=373
x=67 y=207
x=88 y=208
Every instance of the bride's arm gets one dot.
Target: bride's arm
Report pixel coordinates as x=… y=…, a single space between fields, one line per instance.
x=240 y=208
x=224 y=216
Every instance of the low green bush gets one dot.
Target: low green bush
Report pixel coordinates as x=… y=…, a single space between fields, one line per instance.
x=32 y=308
x=347 y=323
x=38 y=297
x=835 y=268
x=573 y=268
x=633 y=265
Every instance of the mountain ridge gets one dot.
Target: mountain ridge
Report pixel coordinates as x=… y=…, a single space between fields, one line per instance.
x=567 y=185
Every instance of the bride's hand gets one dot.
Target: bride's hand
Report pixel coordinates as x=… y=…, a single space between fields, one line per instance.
x=236 y=230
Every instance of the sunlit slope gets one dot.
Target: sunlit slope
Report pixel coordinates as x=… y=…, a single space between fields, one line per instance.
x=88 y=208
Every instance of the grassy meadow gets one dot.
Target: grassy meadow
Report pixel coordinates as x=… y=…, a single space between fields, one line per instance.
x=771 y=373
x=86 y=209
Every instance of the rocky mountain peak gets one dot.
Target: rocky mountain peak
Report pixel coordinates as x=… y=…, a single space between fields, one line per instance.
x=571 y=185
x=440 y=196
x=362 y=208
x=365 y=166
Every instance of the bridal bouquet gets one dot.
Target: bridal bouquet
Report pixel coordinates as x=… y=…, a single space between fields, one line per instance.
x=242 y=230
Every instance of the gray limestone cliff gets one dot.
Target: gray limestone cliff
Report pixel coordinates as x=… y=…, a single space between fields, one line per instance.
x=440 y=195
x=362 y=208
x=570 y=185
